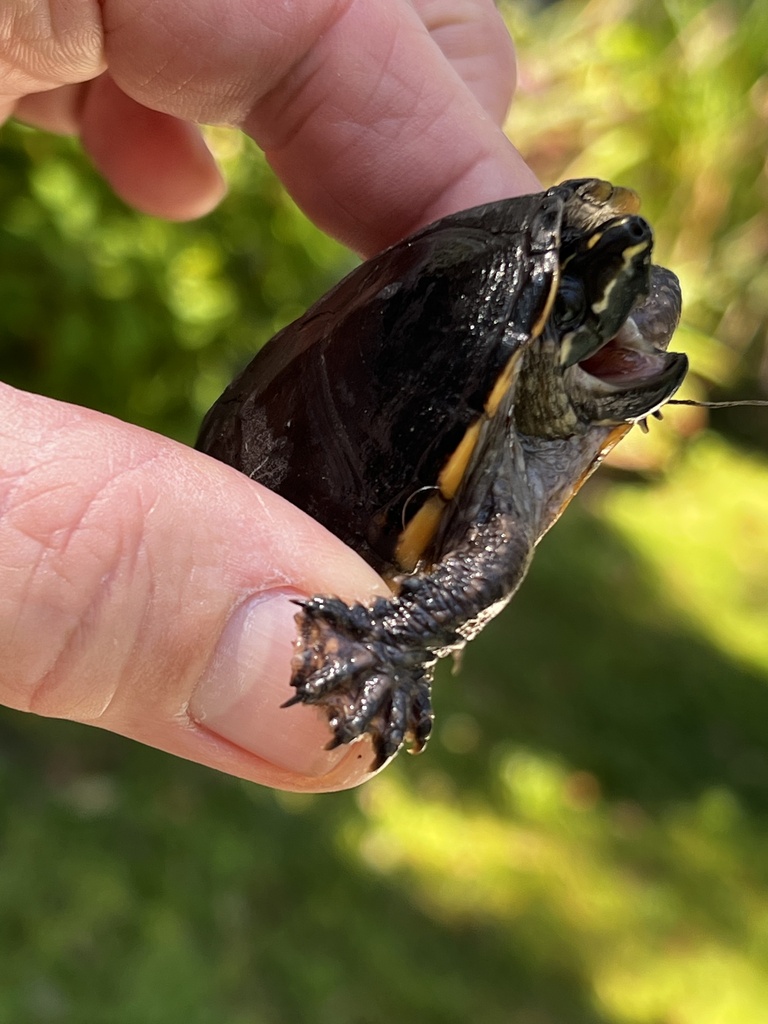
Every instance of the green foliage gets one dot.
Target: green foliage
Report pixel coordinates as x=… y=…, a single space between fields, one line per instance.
x=586 y=840
x=144 y=319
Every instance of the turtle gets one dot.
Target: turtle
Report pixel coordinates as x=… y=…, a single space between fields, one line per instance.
x=437 y=410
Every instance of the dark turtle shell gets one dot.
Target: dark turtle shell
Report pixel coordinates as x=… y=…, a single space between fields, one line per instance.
x=436 y=410
x=353 y=412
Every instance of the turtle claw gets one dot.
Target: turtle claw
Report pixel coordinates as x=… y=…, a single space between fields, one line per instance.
x=348 y=663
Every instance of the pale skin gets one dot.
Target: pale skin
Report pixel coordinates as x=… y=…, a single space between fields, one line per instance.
x=129 y=564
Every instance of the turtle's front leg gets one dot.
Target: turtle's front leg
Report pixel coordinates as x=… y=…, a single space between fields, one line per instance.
x=371 y=668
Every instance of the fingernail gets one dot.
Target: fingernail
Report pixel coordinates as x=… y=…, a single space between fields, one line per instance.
x=247 y=680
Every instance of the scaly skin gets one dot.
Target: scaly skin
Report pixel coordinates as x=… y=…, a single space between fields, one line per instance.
x=371 y=669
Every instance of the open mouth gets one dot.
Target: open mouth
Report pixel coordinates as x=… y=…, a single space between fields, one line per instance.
x=632 y=375
x=626 y=360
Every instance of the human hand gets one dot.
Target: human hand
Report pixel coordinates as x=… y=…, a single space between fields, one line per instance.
x=145 y=588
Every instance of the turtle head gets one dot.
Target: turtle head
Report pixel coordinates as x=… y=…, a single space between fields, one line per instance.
x=601 y=359
x=600 y=363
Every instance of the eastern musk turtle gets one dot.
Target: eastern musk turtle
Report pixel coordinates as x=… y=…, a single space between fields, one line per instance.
x=437 y=410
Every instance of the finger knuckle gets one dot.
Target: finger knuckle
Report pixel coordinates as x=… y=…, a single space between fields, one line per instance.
x=48 y=44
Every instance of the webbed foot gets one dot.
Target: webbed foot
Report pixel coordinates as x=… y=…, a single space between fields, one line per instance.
x=356 y=664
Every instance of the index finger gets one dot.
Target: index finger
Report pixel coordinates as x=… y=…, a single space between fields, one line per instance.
x=361 y=114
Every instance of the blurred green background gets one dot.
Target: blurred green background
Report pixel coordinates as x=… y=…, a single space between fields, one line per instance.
x=586 y=840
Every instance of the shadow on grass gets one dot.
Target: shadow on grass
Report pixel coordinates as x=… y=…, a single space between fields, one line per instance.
x=591 y=663
x=134 y=887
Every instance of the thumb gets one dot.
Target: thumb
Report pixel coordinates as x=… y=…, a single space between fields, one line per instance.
x=145 y=588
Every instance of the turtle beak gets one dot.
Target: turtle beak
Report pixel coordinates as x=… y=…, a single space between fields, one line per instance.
x=632 y=375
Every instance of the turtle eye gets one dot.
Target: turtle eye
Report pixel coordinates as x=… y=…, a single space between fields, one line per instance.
x=570 y=304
